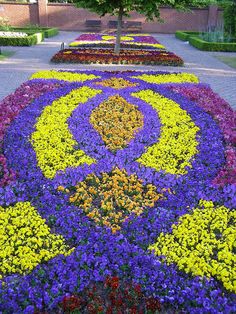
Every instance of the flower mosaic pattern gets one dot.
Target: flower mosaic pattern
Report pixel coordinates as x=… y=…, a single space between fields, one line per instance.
x=150 y=210
x=99 y=48
x=107 y=40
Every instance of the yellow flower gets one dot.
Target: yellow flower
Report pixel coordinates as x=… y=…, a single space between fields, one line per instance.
x=26 y=241
x=106 y=200
x=203 y=243
x=168 y=78
x=177 y=145
x=52 y=141
x=63 y=75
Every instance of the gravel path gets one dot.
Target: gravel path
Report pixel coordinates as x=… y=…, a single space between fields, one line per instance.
x=27 y=60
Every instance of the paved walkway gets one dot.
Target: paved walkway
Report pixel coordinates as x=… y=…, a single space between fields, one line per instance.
x=27 y=60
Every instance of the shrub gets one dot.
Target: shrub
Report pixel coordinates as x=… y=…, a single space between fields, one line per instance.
x=184 y=35
x=211 y=46
x=31 y=39
x=48 y=32
x=230 y=18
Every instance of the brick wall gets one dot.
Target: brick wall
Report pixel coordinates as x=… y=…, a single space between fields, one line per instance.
x=20 y=14
x=67 y=17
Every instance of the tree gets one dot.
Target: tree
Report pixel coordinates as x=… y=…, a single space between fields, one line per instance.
x=229 y=7
x=149 y=8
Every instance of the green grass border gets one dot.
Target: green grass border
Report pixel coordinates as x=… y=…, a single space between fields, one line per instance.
x=6 y=54
x=230 y=61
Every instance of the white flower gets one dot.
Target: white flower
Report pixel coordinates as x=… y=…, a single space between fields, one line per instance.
x=13 y=34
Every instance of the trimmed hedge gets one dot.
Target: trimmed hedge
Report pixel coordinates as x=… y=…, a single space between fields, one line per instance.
x=185 y=35
x=50 y=32
x=47 y=31
x=211 y=46
x=31 y=39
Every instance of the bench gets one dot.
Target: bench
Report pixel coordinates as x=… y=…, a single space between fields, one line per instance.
x=113 y=24
x=133 y=26
x=93 y=24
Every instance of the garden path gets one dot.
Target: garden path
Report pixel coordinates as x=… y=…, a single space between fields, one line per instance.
x=27 y=60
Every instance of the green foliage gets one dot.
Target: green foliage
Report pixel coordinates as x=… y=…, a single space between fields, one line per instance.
x=229 y=7
x=32 y=26
x=184 y=35
x=230 y=18
x=217 y=35
x=50 y=32
x=4 y=24
x=211 y=46
x=150 y=8
x=6 y=54
x=230 y=61
x=31 y=39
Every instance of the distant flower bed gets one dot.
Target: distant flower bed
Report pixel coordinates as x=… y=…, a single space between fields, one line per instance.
x=117 y=195
x=99 y=48
x=126 y=56
x=13 y=34
x=106 y=40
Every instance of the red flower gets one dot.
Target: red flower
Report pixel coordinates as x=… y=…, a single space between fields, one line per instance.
x=91 y=309
x=153 y=304
x=71 y=303
x=109 y=310
x=133 y=310
x=138 y=289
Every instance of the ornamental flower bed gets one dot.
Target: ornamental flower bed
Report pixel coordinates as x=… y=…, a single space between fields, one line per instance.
x=107 y=40
x=118 y=195
x=99 y=48
x=107 y=56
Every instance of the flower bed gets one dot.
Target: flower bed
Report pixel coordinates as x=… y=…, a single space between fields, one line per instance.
x=99 y=48
x=107 y=56
x=107 y=40
x=112 y=196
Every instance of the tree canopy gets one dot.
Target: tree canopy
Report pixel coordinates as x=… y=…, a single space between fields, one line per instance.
x=149 y=8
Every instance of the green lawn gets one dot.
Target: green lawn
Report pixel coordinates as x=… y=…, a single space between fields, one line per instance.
x=6 y=54
x=231 y=61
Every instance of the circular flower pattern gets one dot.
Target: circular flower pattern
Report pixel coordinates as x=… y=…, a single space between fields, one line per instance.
x=142 y=203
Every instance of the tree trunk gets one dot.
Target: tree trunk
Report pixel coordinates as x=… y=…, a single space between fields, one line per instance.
x=119 y=30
